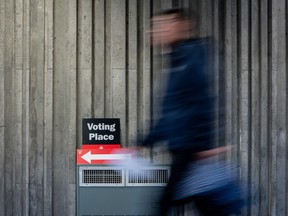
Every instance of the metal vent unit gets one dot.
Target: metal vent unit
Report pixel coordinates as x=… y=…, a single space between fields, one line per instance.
x=101 y=176
x=117 y=215
x=106 y=190
x=148 y=176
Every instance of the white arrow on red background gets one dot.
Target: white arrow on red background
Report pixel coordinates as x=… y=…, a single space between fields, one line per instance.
x=89 y=156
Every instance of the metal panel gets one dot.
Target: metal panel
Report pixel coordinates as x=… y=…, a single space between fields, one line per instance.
x=97 y=198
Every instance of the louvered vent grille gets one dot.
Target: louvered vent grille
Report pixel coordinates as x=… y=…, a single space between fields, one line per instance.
x=117 y=215
x=99 y=176
x=148 y=177
x=104 y=176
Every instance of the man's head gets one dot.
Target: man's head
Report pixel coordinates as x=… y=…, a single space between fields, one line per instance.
x=170 y=27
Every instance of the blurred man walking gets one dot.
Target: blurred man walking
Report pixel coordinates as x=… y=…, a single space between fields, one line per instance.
x=187 y=122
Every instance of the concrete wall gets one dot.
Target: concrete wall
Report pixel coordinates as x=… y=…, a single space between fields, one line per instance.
x=64 y=60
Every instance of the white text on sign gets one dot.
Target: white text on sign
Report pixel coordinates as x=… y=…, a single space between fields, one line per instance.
x=95 y=136
x=101 y=126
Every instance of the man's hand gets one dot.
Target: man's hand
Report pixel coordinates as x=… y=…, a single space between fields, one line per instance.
x=213 y=152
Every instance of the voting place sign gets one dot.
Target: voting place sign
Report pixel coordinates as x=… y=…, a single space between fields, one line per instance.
x=100 y=131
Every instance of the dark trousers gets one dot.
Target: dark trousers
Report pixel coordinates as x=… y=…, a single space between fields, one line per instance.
x=178 y=167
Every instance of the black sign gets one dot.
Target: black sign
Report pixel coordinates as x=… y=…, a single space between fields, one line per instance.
x=100 y=131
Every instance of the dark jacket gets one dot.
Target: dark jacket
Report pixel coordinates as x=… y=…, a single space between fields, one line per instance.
x=188 y=109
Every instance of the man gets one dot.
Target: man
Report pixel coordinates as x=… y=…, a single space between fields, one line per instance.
x=187 y=122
